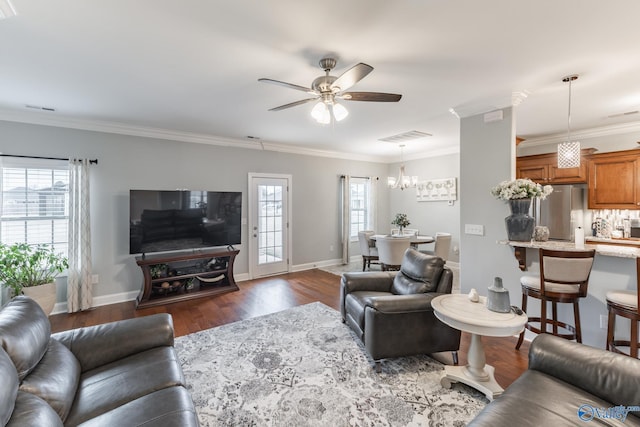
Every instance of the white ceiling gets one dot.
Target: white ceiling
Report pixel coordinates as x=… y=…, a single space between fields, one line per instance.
x=191 y=67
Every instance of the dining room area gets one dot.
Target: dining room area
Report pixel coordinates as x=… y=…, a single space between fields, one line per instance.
x=386 y=250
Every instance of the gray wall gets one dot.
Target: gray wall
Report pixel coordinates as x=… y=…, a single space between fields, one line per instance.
x=129 y=162
x=428 y=217
x=486 y=153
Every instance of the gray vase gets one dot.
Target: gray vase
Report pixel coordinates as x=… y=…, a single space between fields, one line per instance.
x=520 y=224
x=498 y=297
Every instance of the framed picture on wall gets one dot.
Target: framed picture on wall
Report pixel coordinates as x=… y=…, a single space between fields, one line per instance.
x=434 y=190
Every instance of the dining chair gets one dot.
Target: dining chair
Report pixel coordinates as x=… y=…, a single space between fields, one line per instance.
x=564 y=278
x=624 y=303
x=441 y=247
x=391 y=250
x=367 y=248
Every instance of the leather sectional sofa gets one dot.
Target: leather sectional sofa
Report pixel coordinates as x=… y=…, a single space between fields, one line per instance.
x=123 y=373
x=568 y=384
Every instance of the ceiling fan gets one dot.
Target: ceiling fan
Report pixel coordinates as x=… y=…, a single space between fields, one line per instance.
x=327 y=89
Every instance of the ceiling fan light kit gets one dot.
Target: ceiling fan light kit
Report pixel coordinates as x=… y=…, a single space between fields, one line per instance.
x=327 y=89
x=6 y=9
x=569 y=151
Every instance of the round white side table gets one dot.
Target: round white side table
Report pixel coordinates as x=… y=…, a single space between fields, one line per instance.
x=475 y=318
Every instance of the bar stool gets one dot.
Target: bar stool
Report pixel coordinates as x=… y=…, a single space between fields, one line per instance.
x=564 y=278
x=624 y=304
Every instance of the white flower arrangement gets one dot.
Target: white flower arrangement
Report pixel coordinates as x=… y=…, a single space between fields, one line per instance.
x=520 y=189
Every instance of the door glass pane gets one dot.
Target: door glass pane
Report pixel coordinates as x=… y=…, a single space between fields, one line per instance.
x=270 y=224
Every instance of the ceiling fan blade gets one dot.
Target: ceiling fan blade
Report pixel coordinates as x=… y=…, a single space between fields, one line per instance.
x=289 y=85
x=352 y=76
x=370 y=96
x=293 y=104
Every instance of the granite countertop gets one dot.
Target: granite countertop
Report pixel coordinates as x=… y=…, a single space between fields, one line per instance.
x=599 y=245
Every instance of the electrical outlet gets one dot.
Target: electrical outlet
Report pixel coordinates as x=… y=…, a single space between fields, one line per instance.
x=330 y=248
x=475 y=229
x=95 y=279
x=603 y=321
x=456 y=250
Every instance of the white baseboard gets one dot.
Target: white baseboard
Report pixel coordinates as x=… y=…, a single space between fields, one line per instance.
x=61 y=307
x=318 y=264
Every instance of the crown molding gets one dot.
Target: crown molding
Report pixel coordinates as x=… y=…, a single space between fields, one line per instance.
x=556 y=138
x=45 y=119
x=431 y=153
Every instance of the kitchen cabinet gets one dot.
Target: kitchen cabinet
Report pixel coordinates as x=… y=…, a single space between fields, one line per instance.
x=614 y=180
x=543 y=169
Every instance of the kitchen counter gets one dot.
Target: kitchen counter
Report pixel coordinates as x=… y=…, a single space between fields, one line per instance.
x=603 y=247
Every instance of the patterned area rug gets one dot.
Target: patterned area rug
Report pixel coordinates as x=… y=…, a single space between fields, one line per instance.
x=304 y=367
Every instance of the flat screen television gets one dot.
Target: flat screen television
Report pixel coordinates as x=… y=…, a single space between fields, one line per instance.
x=164 y=221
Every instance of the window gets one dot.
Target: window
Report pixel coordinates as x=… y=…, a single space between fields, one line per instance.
x=35 y=202
x=360 y=204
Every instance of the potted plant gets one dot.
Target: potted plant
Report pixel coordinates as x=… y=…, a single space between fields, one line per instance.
x=401 y=221
x=31 y=270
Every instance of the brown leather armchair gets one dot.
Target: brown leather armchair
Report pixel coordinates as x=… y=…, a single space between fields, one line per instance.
x=392 y=314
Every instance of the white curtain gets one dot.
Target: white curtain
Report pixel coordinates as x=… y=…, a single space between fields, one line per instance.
x=373 y=203
x=79 y=295
x=346 y=218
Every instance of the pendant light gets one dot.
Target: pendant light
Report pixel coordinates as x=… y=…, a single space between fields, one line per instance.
x=569 y=151
x=403 y=181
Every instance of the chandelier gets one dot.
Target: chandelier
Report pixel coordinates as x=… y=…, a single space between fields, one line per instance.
x=569 y=151
x=403 y=181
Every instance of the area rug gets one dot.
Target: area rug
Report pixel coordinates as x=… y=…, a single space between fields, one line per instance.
x=304 y=367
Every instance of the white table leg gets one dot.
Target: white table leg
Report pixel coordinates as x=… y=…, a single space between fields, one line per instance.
x=476 y=374
x=477 y=360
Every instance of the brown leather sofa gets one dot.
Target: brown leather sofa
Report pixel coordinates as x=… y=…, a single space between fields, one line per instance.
x=122 y=373
x=392 y=314
x=568 y=384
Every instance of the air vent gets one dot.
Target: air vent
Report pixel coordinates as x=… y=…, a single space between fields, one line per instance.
x=628 y=113
x=406 y=136
x=38 y=107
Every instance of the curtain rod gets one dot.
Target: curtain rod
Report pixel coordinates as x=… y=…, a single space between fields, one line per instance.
x=92 y=162
x=376 y=178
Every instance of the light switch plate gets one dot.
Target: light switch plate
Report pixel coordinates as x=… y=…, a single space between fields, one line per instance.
x=475 y=229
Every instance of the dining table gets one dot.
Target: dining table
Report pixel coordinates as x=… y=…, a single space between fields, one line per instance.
x=414 y=239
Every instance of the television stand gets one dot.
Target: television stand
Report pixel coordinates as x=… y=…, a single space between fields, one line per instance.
x=184 y=276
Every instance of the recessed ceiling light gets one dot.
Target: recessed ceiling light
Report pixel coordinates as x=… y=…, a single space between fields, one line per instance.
x=6 y=9
x=406 y=136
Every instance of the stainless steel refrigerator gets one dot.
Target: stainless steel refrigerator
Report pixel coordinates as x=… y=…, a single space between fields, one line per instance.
x=562 y=211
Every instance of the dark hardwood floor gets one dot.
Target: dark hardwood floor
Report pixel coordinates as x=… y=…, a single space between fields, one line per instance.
x=269 y=295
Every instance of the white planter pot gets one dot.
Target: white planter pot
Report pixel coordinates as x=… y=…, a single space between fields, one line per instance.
x=44 y=295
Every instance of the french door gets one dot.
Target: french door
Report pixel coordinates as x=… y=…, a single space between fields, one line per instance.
x=269 y=236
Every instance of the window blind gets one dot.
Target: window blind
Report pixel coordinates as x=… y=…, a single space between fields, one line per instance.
x=35 y=202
